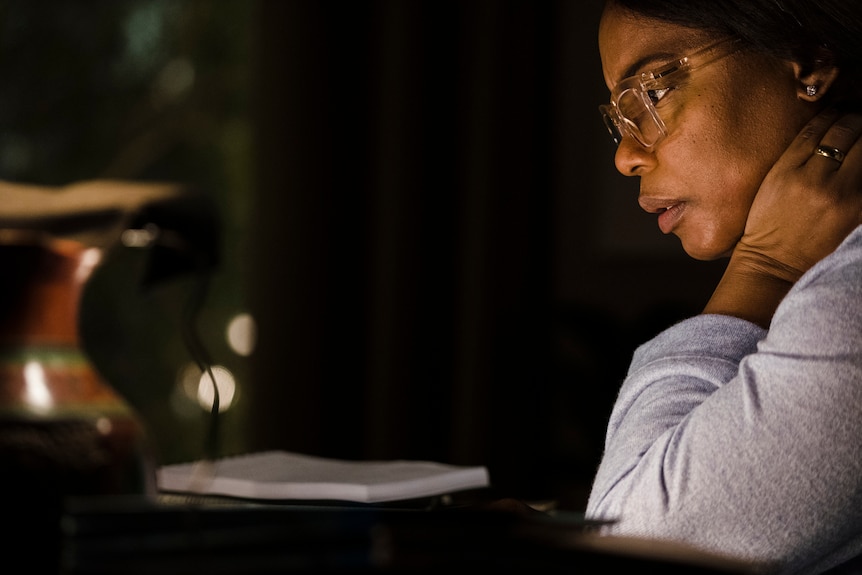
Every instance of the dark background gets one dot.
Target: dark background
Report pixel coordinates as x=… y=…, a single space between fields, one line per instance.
x=419 y=209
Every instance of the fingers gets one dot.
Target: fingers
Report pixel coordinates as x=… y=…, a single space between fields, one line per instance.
x=811 y=135
x=848 y=133
x=830 y=139
x=841 y=142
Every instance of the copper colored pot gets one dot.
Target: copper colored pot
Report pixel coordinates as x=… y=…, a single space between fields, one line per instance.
x=64 y=432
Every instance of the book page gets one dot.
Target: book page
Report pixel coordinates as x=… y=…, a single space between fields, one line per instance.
x=286 y=475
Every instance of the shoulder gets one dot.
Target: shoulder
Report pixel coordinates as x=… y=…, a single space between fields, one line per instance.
x=843 y=266
x=824 y=308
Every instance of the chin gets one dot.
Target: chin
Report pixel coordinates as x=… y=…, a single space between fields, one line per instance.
x=706 y=253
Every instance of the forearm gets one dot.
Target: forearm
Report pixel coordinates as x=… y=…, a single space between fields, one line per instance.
x=689 y=456
x=670 y=376
x=713 y=415
x=751 y=290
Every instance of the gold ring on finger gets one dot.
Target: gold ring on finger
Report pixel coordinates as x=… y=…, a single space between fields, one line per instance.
x=830 y=152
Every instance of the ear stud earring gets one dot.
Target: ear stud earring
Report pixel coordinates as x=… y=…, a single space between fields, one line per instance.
x=811 y=90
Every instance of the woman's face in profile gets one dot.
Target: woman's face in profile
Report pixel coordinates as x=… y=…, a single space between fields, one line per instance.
x=727 y=123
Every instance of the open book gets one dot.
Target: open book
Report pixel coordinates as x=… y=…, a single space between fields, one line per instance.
x=286 y=475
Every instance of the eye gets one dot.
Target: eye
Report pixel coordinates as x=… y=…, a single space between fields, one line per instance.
x=655 y=95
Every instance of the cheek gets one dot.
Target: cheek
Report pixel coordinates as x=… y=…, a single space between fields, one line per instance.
x=757 y=130
x=725 y=150
x=717 y=221
x=724 y=165
x=739 y=145
x=721 y=180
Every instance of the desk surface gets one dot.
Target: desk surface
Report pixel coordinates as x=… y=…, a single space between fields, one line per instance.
x=145 y=538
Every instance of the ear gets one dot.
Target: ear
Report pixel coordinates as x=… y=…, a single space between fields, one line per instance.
x=815 y=79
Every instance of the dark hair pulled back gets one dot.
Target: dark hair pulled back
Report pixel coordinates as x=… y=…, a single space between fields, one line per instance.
x=787 y=29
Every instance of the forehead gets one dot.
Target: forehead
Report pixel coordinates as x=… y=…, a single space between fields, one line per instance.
x=630 y=43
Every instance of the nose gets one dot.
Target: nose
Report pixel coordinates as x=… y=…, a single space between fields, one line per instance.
x=632 y=158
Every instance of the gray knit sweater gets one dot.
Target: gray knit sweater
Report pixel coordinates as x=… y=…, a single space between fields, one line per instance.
x=743 y=441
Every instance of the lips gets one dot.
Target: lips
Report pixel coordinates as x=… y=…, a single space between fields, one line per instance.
x=669 y=211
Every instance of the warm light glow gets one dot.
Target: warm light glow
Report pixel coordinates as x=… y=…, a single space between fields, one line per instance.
x=104 y=425
x=241 y=334
x=140 y=238
x=188 y=380
x=89 y=260
x=226 y=388
x=36 y=387
x=184 y=398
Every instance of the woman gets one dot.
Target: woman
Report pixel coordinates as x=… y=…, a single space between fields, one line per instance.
x=739 y=431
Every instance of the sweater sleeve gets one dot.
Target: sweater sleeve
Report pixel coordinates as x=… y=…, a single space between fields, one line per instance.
x=744 y=442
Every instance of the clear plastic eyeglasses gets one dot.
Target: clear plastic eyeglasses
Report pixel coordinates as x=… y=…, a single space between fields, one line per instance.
x=632 y=108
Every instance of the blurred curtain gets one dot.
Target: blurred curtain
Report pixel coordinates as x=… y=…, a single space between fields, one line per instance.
x=401 y=236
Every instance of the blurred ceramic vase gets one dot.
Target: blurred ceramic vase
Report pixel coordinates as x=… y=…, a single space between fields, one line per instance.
x=64 y=432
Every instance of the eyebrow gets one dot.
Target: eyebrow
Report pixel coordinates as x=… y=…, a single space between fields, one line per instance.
x=649 y=60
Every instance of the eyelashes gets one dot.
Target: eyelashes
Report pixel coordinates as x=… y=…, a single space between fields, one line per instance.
x=655 y=95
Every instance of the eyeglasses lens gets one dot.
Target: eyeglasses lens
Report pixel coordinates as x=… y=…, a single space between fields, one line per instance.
x=633 y=115
x=608 y=115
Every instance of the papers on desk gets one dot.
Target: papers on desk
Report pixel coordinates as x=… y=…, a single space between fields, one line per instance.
x=282 y=475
